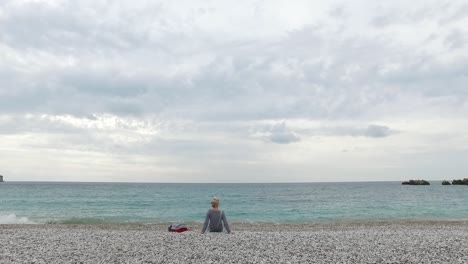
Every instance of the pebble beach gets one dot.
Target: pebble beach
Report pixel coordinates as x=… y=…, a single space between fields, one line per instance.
x=365 y=242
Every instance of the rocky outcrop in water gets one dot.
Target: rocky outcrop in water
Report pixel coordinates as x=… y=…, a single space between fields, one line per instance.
x=460 y=182
x=1 y=178
x=416 y=182
x=446 y=183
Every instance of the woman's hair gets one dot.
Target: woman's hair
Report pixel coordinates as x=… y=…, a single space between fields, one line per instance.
x=215 y=201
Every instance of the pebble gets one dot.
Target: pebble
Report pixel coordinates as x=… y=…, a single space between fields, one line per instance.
x=373 y=242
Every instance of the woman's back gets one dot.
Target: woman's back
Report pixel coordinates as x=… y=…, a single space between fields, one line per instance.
x=215 y=218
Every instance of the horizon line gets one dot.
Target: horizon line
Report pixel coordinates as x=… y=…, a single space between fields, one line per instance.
x=278 y=182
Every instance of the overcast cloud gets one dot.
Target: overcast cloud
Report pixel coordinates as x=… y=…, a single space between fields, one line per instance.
x=233 y=91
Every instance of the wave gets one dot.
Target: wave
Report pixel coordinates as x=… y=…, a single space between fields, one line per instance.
x=82 y=221
x=13 y=219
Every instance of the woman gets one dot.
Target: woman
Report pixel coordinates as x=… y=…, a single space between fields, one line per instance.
x=216 y=218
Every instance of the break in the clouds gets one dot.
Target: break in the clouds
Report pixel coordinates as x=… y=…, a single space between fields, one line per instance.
x=224 y=91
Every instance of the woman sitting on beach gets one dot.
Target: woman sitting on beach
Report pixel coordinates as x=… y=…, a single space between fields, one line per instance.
x=216 y=218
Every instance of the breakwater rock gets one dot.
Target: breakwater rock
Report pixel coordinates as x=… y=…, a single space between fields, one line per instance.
x=446 y=183
x=416 y=182
x=460 y=182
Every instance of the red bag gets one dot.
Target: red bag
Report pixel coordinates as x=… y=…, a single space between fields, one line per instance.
x=178 y=228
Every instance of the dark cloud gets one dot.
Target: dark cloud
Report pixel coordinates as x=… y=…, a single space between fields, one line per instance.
x=282 y=135
x=370 y=131
x=453 y=12
x=382 y=21
x=64 y=26
x=377 y=131
x=193 y=83
x=83 y=64
x=277 y=133
x=456 y=39
x=105 y=84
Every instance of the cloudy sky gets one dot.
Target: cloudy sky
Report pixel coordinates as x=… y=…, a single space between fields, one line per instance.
x=233 y=91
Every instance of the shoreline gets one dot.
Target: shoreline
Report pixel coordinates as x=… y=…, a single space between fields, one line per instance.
x=363 y=242
x=246 y=226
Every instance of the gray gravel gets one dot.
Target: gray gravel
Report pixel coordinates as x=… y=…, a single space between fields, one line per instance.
x=378 y=242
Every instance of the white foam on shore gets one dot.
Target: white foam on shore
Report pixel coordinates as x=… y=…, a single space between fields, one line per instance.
x=13 y=219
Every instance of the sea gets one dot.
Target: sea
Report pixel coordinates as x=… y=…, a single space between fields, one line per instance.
x=276 y=203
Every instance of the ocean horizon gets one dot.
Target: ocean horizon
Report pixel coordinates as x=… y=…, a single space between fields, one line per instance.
x=276 y=203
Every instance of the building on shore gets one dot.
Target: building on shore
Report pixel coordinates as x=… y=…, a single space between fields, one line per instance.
x=1 y=178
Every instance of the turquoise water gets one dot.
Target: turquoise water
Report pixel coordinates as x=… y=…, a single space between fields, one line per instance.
x=96 y=203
